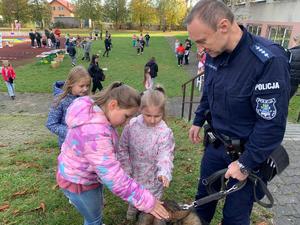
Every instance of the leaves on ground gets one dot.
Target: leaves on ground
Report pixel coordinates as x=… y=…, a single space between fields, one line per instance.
x=4 y=206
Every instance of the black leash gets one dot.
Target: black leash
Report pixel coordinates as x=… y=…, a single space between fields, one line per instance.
x=224 y=191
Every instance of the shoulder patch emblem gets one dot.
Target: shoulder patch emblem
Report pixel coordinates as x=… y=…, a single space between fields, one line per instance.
x=261 y=52
x=265 y=108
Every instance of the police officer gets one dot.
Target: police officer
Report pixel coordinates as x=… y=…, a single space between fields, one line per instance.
x=295 y=65
x=246 y=91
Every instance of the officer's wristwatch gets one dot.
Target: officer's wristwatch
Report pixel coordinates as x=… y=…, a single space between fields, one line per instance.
x=243 y=169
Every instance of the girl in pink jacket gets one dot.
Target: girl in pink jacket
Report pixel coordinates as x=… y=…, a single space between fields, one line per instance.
x=88 y=154
x=147 y=147
x=9 y=75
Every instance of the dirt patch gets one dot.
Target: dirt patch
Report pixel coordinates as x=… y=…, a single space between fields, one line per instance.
x=25 y=103
x=23 y=120
x=22 y=130
x=22 y=53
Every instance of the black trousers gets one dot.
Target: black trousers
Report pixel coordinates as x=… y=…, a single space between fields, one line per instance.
x=107 y=49
x=180 y=59
x=32 y=42
x=96 y=85
x=186 y=59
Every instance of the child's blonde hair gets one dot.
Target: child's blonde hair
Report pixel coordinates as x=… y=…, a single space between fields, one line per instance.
x=126 y=96
x=76 y=74
x=155 y=97
x=5 y=63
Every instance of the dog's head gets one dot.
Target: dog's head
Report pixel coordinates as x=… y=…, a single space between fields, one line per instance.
x=179 y=215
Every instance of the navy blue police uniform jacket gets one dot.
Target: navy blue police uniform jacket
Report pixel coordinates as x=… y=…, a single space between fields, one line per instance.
x=247 y=93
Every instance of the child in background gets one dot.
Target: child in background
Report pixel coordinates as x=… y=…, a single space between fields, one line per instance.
x=148 y=82
x=9 y=75
x=180 y=53
x=133 y=40
x=88 y=156
x=176 y=45
x=44 y=42
x=146 y=149
x=72 y=53
x=76 y=85
x=96 y=73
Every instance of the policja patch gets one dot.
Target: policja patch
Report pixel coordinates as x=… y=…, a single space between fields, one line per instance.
x=266 y=108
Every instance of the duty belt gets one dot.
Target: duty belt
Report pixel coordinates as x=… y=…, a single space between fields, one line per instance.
x=233 y=146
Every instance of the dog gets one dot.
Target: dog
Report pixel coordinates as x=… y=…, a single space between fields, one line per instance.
x=178 y=216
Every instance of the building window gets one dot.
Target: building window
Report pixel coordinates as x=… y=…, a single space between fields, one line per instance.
x=53 y=8
x=254 y=29
x=240 y=2
x=257 y=0
x=280 y=35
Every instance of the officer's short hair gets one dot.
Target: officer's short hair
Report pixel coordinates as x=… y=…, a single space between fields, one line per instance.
x=210 y=12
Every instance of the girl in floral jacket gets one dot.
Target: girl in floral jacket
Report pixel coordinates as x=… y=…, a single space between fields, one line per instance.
x=147 y=147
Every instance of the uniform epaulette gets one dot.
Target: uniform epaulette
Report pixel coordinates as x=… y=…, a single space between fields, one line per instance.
x=261 y=52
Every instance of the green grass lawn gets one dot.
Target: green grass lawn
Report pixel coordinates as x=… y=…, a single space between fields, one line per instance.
x=123 y=64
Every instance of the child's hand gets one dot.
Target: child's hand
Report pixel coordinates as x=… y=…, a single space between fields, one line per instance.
x=159 y=211
x=164 y=180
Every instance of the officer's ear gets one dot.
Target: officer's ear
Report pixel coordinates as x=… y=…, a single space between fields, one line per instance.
x=223 y=25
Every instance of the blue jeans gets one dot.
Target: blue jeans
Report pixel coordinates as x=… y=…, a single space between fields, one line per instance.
x=10 y=88
x=89 y=204
x=238 y=205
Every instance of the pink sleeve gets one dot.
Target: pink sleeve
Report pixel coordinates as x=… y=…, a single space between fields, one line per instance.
x=123 y=152
x=101 y=155
x=166 y=154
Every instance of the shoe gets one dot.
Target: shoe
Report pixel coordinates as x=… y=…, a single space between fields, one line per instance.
x=13 y=97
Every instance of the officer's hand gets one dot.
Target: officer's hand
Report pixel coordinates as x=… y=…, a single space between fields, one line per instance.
x=164 y=180
x=159 y=211
x=235 y=172
x=194 y=134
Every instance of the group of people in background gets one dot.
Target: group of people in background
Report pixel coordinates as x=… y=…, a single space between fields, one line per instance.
x=140 y=42
x=182 y=52
x=50 y=38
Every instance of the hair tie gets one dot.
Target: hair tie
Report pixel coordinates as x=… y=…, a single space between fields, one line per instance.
x=117 y=84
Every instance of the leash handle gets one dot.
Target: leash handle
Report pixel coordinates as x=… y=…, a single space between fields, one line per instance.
x=258 y=181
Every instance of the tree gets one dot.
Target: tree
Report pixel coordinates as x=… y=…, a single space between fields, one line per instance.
x=143 y=11
x=116 y=11
x=15 y=10
x=40 y=12
x=89 y=9
x=172 y=12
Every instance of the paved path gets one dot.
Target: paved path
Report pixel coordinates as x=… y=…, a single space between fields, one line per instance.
x=286 y=187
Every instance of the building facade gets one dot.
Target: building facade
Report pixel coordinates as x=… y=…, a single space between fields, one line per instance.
x=278 y=20
x=61 y=8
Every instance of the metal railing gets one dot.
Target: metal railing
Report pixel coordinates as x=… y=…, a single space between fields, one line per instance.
x=190 y=102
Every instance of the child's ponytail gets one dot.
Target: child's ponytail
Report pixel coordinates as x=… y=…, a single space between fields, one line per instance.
x=126 y=96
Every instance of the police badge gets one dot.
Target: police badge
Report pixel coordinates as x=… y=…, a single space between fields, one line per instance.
x=266 y=108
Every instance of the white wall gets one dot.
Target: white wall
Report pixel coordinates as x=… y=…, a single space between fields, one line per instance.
x=276 y=11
